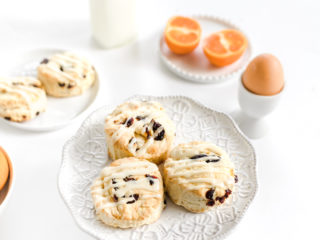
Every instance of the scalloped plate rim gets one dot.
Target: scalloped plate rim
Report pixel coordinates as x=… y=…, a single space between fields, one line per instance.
x=80 y=132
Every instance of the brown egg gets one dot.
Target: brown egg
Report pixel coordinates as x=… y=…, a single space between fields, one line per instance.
x=264 y=75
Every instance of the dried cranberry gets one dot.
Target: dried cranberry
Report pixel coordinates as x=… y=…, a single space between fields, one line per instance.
x=151 y=176
x=130 y=122
x=209 y=193
x=210 y=203
x=213 y=160
x=140 y=117
x=115 y=198
x=236 y=178
x=160 y=136
x=126 y=179
x=221 y=199
x=44 y=61
x=228 y=192
x=199 y=156
x=155 y=126
x=148 y=132
x=136 y=196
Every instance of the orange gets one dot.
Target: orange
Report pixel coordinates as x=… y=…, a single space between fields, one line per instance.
x=182 y=34
x=224 y=47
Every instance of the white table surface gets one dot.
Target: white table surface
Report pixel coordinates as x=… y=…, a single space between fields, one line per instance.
x=287 y=203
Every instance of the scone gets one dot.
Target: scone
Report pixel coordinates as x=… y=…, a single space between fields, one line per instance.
x=139 y=129
x=66 y=75
x=198 y=176
x=128 y=193
x=21 y=98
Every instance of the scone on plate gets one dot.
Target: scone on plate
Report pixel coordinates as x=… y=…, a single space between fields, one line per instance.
x=66 y=75
x=139 y=129
x=128 y=193
x=198 y=176
x=21 y=98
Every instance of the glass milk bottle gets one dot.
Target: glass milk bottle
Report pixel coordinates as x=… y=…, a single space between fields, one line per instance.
x=113 y=22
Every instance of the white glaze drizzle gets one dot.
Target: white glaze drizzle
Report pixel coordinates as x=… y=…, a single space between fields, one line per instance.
x=64 y=59
x=123 y=129
x=187 y=169
x=127 y=188
x=69 y=64
x=22 y=90
x=131 y=148
x=57 y=71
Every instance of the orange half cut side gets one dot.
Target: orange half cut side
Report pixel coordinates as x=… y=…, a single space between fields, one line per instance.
x=182 y=34
x=225 y=47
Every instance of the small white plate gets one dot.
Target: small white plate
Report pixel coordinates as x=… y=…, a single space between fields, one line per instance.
x=85 y=154
x=60 y=111
x=195 y=66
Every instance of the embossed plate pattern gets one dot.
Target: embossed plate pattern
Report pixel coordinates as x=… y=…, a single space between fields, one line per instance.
x=85 y=154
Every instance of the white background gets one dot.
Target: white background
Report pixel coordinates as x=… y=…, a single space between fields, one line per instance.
x=287 y=203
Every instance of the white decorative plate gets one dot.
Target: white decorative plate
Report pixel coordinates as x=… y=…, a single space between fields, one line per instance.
x=60 y=111
x=195 y=66
x=85 y=154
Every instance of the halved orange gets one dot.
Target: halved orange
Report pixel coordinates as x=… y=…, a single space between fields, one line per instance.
x=225 y=47
x=182 y=34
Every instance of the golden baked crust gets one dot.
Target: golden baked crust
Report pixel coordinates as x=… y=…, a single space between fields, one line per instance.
x=198 y=176
x=21 y=98
x=4 y=169
x=128 y=193
x=66 y=75
x=139 y=129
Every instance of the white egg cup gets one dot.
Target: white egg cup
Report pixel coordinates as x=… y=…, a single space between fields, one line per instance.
x=254 y=108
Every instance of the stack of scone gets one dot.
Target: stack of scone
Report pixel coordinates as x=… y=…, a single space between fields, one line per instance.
x=130 y=192
x=62 y=75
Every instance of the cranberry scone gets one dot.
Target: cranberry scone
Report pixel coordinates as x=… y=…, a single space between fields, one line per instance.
x=139 y=129
x=21 y=98
x=198 y=176
x=66 y=74
x=128 y=193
